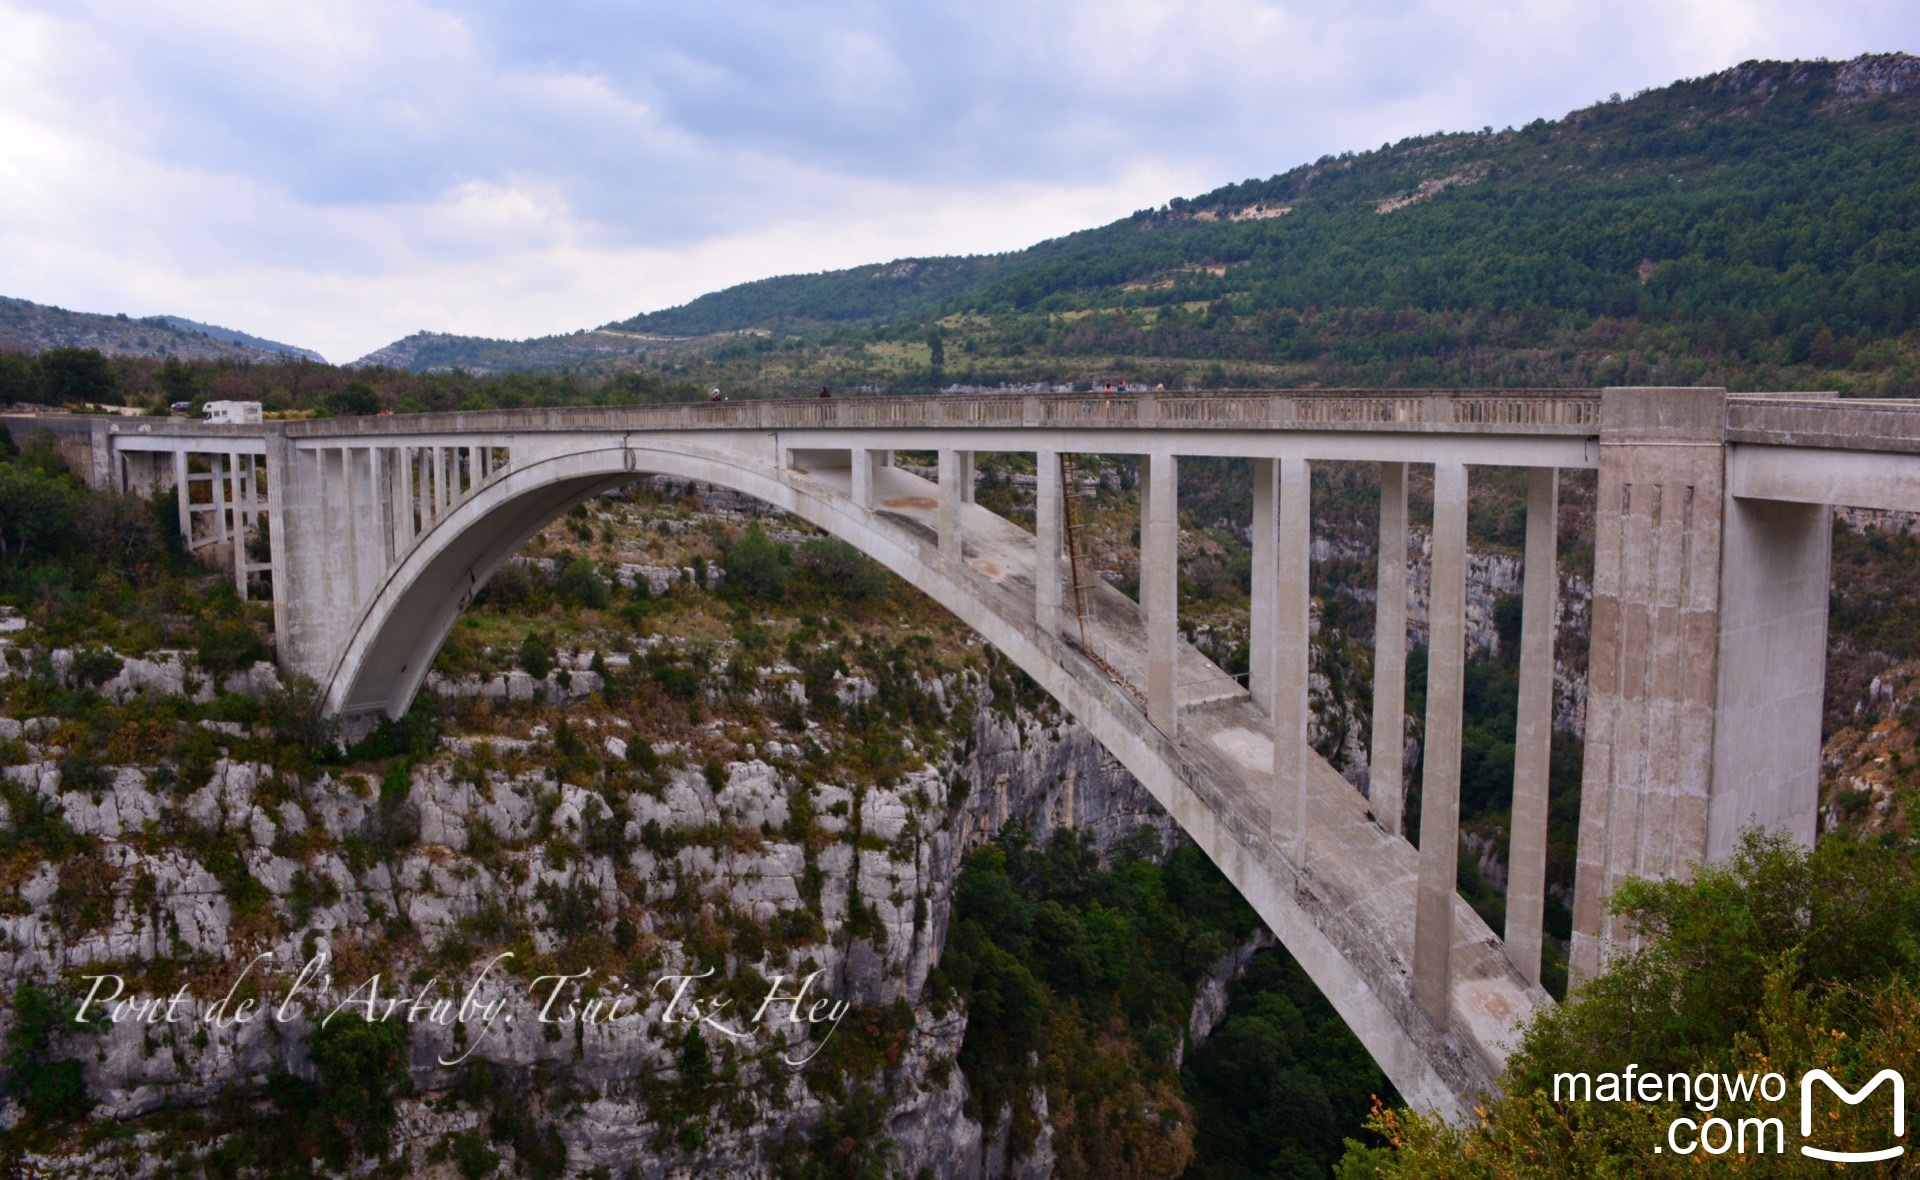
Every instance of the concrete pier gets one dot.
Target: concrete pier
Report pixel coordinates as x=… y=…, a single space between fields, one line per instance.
x=1266 y=574
x=1292 y=658
x=1160 y=584
x=1440 y=758
x=1386 y=787
x=1048 y=503
x=1533 y=736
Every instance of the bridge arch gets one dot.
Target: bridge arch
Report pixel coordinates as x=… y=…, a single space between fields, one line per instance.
x=417 y=603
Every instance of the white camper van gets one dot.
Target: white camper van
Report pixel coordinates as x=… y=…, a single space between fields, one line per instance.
x=237 y=413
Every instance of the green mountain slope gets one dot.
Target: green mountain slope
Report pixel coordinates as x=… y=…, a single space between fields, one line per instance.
x=1755 y=228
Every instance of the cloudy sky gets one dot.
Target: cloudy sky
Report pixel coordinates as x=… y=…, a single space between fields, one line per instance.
x=340 y=174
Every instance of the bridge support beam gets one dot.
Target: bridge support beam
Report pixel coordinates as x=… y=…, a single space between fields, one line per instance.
x=1533 y=737
x=1290 y=664
x=955 y=475
x=1440 y=776
x=861 y=476
x=1266 y=555
x=1160 y=584
x=1048 y=498
x=1386 y=786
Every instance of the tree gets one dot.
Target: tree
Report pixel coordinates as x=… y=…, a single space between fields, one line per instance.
x=535 y=656
x=356 y=399
x=50 y=1088
x=16 y=378
x=73 y=376
x=581 y=585
x=836 y=570
x=1779 y=960
x=756 y=566
x=37 y=512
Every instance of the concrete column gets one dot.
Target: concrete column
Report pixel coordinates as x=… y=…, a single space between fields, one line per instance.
x=442 y=495
x=279 y=469
x=1533 y=736
x=1160 y=585
x=1261 y=603
x=1440 y=778
x=239 y=524
x=1774 y=583
x=1290 y=665
x=863 y=462
x=180 y=493
x=400 y=500
x=965 y=459
x=334 y=586
x=217 y=463
x=951 y=478
x=367 y=564
x=1386 y=782
x=1648 y=773
x=1048 y=497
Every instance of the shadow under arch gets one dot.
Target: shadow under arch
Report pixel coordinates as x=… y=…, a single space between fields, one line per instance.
x=417 y=604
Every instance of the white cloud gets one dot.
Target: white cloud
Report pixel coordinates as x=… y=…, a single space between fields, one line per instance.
x=340 y=175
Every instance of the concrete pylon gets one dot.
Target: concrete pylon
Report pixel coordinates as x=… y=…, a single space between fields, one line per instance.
x=1266 y=524
x=1160 y=584
x=952 y=480
x=1291 y=662
x=1386 y=786
x=1440 y=759
x=1533 y=736
x=1048 y=501
x=862 y=476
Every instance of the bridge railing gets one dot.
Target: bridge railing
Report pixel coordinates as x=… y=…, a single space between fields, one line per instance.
x=1541 y=410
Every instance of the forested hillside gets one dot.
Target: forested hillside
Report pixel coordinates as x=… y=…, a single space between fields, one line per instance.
x=1754 y=228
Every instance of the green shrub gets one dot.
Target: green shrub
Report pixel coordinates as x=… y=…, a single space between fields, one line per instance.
x=50 y=1089
x=757 y=566
x=580 y=585
x=536 y=658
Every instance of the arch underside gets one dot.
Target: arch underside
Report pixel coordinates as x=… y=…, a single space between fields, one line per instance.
x=1346 y=914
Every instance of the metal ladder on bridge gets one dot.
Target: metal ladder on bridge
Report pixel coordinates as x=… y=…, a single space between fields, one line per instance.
x=1071 y=489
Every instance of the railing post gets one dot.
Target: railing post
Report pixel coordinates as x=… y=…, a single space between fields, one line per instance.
x=1533 y=737
x=1440 y=777
x=1386 y=783
x=1292 y=661
x=1159 y=585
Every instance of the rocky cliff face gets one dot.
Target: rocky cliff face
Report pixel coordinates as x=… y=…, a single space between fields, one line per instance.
x=574 y=852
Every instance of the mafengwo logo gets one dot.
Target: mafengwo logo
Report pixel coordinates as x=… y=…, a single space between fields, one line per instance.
x=1756 y=1135
x=1853 y=1098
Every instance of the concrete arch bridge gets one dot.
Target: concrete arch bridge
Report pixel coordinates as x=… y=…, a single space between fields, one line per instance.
x=1706 y=664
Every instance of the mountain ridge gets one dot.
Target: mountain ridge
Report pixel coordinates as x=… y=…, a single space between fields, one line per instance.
x=26 y=326
x=1700 y=207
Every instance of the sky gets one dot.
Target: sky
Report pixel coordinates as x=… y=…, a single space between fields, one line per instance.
x=338 y=175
